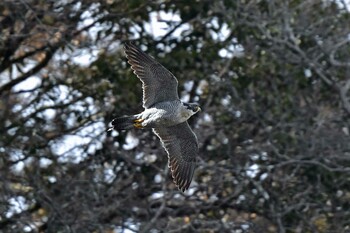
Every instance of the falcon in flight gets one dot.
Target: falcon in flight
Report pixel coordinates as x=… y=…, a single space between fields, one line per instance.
x=164 y=113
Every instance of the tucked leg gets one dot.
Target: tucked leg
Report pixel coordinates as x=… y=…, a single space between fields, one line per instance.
x=137 y=123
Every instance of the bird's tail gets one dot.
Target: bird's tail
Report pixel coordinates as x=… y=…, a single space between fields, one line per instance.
x=125 y=122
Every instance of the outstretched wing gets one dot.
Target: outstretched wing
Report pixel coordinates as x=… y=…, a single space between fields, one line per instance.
x=182 y=147
x=158 y=83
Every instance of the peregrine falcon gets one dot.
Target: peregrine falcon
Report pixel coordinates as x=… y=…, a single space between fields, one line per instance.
x=164 y=113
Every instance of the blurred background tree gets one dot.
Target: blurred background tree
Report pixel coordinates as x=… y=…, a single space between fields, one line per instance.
x=272 y=78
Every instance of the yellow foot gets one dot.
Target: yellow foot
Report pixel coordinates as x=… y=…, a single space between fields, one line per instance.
x=138 y=120
x=137 y=123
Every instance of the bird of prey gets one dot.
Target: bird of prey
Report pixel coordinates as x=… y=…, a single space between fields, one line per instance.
x=165 y=113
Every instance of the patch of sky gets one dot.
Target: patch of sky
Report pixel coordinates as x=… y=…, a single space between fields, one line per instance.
x=70 y=148
x=28 y=84
x=207 y=117
x=307 y=73
x=232 y=50
x=52 y=179
x=188 y=85
x=17 y=204
x=162 y=22
x=75 y=148
x=263 y=176
x=157 y=195
x=19 y=160
x=86 y=56
x=158 y=178
x=237 y=114
x=109 y=175
x=219 y=32
x=226 y=100
x=140 y=155
x=135 y=185
x=132 y=227
x=245 y=226
x=241 y=198
x=343 y=4
x=151 y=158
x=253 y=170
x=130 y=141
x=31 y=227
x=185 y=98
x=45 y=162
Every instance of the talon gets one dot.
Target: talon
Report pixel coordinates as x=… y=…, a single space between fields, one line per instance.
x=138 y=125
x=139 y=120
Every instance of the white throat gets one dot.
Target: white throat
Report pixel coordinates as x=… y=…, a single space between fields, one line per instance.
x=185 y=113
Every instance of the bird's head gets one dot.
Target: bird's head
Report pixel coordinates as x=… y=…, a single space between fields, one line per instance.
x=194 y=107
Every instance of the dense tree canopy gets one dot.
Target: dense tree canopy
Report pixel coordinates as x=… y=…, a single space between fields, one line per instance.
x=272 y=79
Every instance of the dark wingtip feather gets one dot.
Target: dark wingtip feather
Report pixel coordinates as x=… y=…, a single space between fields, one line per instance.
x=182 y=174
x=137 y=58
x=131 y=49
x=128 y=45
